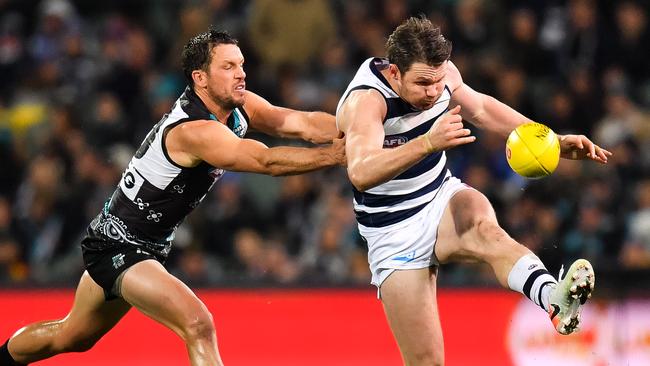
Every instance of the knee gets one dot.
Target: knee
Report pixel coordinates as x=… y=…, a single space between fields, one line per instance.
x=487 y=230
x=428 y=354
x=198 y=325
x=427 y=358
x=482 y=236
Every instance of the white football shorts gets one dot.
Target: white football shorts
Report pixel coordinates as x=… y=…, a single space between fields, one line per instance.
x=408 y=244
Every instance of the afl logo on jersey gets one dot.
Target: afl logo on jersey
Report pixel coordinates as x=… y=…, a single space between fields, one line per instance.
x=129 y=180
x=394 y=141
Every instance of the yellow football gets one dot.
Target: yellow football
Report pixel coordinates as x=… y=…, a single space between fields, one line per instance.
x=533 y=150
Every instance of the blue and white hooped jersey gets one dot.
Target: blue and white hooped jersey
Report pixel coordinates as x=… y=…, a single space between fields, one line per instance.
x=409 y=192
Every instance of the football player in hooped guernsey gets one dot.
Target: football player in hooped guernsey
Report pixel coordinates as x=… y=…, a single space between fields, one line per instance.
x=181 y=158
x=399 y=115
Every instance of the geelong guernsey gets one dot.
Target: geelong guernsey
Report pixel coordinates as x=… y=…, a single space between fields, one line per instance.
x=408 y=193
x=155 y=194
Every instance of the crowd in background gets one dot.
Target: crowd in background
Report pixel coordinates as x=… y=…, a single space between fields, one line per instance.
x=81 y=83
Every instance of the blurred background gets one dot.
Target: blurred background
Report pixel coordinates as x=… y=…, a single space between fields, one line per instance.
x=81 y=83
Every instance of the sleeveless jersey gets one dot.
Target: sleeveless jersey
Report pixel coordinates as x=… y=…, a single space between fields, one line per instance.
x=408 y=193
x=155 y=194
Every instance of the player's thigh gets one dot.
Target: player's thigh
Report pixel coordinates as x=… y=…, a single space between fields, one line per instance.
x=409 y=299
x=91 y=315
x=151 y=289
x=464 y=212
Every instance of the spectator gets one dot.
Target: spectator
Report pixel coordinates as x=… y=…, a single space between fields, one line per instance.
x=290 y=32
x=636 y=251
x=12 y=266
x=79 y=85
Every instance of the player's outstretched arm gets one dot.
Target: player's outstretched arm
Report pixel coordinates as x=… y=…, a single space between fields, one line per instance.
x=315 y=127
x=369 y=164
x=193 y=142
x=488 y=113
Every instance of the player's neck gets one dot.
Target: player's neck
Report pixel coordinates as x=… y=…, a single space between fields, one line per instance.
x=386 y=73
x=222 y=114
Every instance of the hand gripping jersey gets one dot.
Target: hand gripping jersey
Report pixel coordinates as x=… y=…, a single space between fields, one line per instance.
x=409 y=192
x=155 y=194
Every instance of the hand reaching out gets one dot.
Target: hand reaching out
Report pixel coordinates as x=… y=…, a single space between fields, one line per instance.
x=578 y=147
x=337 y=150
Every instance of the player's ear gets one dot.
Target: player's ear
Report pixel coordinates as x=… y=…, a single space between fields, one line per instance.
x=200 y=78
x=394 y=71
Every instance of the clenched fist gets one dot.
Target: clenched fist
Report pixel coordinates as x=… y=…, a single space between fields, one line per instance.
x=447 y=132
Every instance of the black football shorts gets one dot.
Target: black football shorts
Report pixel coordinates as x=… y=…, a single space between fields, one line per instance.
x=106 y=260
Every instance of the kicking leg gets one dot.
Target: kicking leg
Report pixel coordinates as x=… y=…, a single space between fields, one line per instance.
x=409 y=299
x=469 y=231
x=89 y=319
x=164 y=298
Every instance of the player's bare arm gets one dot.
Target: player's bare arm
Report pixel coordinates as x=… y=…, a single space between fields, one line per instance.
x=481 y=110
x=214 y=143
x=488 y=113
x=369 y=164
x=315 y=127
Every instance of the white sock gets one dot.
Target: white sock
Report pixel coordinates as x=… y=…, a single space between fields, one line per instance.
x=530 y=277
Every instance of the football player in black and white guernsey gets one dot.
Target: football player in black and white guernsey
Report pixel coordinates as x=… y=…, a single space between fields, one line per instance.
x=400 y=114
x=185 y=153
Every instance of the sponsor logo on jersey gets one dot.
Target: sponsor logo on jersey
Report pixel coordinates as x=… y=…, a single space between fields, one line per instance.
x=216 y=173
x=129 y=180
x=240 y=130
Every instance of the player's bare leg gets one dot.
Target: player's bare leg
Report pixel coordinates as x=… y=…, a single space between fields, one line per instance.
x=164 y=298
x=89 y=319
x=469 y=231
x=409 y=299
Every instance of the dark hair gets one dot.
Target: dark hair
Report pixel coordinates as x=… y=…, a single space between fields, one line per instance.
x=417 y=40
x=197 y=53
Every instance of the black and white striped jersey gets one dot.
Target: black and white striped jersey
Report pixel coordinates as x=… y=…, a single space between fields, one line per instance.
x=155 y=194
x=409 y=192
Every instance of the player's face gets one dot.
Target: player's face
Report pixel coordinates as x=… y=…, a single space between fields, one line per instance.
x=422 y=84
x=226 y=76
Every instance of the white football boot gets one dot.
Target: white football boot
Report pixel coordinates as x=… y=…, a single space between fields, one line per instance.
x=571 y=292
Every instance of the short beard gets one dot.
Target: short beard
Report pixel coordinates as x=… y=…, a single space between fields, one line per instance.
x=227 y=103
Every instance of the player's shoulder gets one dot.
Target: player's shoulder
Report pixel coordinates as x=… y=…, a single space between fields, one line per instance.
x=369 y=96
x=363 y=103
x=251 y=97
x=366 y=95
x=198 y=130
x=255 y=106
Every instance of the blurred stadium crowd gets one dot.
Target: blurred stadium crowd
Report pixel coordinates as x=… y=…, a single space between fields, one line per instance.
x=82 y=82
